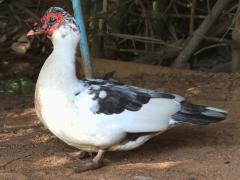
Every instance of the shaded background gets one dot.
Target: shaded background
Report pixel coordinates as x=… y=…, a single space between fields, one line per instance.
x=150 y=32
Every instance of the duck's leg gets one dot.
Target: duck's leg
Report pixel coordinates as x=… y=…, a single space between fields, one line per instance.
x=80 y=154
x=75 y=153
x=94 y=164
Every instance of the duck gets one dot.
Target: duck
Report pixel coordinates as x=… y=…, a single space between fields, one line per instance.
x=98 y=115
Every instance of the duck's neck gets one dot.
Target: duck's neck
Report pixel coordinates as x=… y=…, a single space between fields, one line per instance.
x=65 y=60
x=59 y=69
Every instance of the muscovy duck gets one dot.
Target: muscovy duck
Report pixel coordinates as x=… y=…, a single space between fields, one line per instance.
x=97 y=115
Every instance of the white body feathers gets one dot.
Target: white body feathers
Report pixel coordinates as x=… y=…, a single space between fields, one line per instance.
x=71 y=117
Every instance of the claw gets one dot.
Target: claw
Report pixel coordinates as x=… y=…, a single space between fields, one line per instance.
x=94 y=164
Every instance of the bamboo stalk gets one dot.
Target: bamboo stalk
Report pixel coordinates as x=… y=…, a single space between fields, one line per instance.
x=197 y=37
x=236 y=38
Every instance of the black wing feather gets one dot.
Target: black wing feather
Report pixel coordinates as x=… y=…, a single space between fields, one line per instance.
x=119 y=96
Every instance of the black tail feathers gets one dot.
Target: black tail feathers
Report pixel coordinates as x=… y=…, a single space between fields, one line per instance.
x=198 y=114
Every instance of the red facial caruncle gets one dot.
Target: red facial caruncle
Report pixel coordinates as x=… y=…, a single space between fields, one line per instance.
x=51 y=22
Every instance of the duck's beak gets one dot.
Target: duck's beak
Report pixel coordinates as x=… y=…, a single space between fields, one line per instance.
x=36 y=29
x=35 y=32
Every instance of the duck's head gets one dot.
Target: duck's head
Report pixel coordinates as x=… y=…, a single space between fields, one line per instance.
x=57 y=24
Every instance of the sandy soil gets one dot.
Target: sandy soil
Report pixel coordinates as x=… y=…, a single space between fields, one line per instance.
x=28 y=151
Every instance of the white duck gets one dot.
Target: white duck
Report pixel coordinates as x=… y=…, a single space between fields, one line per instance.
x=96 y=115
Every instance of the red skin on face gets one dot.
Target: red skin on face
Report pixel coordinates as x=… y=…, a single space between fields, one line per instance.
x=45 y=19
x=44 y=28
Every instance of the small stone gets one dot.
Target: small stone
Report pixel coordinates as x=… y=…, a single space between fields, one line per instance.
x=143 y=178
x=227 y=162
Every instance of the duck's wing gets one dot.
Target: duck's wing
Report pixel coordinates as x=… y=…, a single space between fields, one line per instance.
x=113 y=97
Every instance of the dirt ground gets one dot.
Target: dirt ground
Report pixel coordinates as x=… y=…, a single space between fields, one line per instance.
x=191 y=152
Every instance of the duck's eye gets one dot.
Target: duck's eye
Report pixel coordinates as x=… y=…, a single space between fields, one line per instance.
x=51 y=21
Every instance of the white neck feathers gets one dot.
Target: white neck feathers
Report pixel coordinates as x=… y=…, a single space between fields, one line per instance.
x=59 y=68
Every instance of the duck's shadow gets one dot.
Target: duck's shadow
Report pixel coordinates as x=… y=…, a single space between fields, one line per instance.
x=182 y=137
